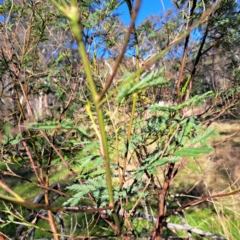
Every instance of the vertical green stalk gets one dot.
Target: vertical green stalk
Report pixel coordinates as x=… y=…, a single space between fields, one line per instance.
x=75 y=22
x=77 y=31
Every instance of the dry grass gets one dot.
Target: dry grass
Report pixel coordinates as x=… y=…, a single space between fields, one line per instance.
x=217 y=172
x=220 y=169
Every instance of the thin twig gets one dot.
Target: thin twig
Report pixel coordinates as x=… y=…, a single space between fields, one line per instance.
x=196 y=202
x=119 y=58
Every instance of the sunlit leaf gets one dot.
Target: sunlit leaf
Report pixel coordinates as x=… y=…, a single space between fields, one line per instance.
x=192 y=152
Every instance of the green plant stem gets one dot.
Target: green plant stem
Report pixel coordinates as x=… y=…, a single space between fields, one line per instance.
x=78 y=34
x=106 y=154
x=75 y=23
x=77 y=31
x=128 y=139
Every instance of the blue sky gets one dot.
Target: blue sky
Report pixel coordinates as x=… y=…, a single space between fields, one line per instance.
x=147 y=8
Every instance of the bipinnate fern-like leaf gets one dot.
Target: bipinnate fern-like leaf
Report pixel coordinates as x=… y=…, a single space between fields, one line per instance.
x=51 y=125
x=192 y=152
x=195 y=100
x=97 y=187
x=152 y=79
x=203 y=137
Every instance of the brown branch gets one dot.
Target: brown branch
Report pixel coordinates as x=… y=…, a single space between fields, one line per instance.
x=32 y=205
x=120 y=56
x=34 y=183
x=40 y=180
x=35 y=215
x=227 y=106
x=28 y=39
x=157 y=232
x=198 y=57
x=46 y=197
x=69 y=101
x=196 y=202
x=224 y=140
x=183 y=63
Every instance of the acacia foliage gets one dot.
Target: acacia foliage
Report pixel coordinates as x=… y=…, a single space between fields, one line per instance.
x=50 y=119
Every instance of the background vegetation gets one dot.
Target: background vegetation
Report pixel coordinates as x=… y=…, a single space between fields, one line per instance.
x=104 y=126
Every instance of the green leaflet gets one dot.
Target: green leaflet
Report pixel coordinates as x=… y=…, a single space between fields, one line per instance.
x=88 y=146
x=208 y=133
x=195 y=100
x=155 y=161
x=152 y=79
x=164 y=160
x=60 y=58
x=192 y=152
x=97 y=173
x=54 y=125
x=96 y=186
x=12 y=140
x=83 y=161
x=124 y=92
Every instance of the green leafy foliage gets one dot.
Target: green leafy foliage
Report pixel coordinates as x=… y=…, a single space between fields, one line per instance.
x=56 y=57
x=96 y=186
x=54 y=125
x=171 y=138
x=129 y=87
x=192 y=152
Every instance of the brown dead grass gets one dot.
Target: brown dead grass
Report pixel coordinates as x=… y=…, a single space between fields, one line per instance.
x=225 y=159
x=217 y=172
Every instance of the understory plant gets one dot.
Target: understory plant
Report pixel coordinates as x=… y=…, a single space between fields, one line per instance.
x=103 y=155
